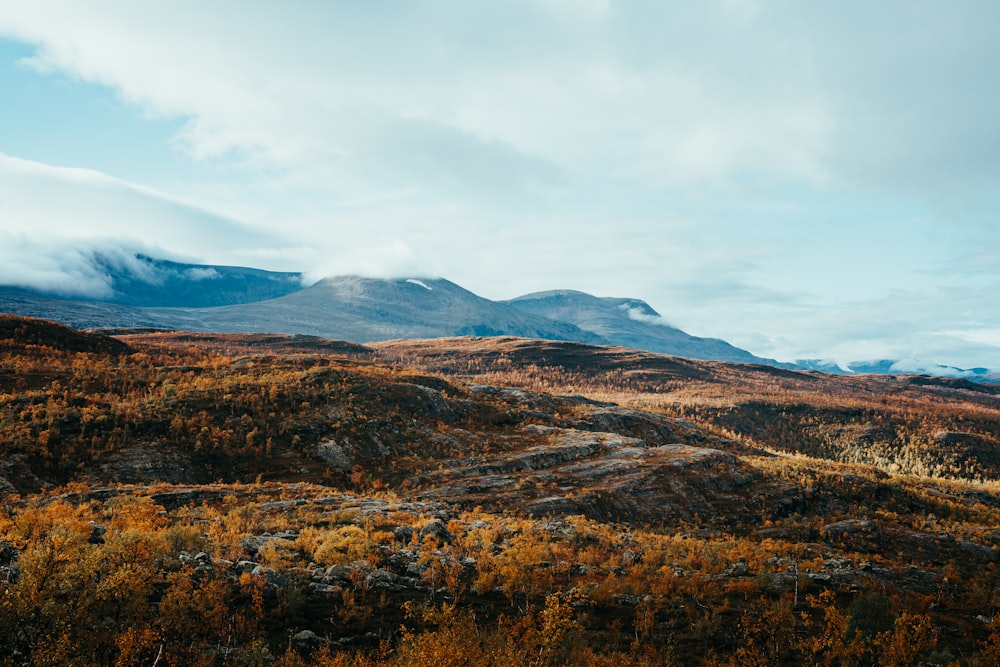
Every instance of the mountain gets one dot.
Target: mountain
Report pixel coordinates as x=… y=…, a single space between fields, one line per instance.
x=346 y=308
x=139 y=291
x=629 y=323
x=821 y=365
x=912 y=366
x=900 y=367
x=370 y=309
x=142 y=281
x=144 y=292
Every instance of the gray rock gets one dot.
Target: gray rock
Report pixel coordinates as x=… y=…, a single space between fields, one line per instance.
x=847 y=527
x=838 y=563
x=386 y=581
x=246 y=566
x=324 y=589
x=252 y=544
x=97 y=532
x=737 y=570
x=403 y=534
x=306 y=641
x=436 y=529
x=334 y=455
x=335 y=573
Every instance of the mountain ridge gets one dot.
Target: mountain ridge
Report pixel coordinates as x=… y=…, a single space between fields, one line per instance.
x=151 y=293
x=630 y=323
x=140 y=291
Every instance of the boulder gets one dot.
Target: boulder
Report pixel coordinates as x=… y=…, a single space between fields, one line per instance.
x=435 y=528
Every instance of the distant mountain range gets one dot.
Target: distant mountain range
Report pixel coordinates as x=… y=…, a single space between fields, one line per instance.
x=899 y=367
x=146 y=292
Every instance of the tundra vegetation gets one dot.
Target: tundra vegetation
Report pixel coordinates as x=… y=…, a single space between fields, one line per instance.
x=189 y=499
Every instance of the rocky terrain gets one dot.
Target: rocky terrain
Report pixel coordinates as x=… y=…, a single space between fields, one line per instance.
x=275 y=499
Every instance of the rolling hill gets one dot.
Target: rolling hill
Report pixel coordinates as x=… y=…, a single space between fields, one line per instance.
x=206 y=498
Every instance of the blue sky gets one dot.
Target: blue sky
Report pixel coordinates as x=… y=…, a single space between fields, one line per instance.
x=801 y=179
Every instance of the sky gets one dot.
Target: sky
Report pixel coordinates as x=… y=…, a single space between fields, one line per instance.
x=804 y=180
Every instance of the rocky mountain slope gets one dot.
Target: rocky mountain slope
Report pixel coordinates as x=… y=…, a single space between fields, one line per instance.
x=628 y=323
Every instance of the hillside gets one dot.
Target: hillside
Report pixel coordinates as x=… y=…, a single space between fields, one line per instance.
x=250 y=499
x=369 y=309
x=628 y=323
x=912 y=424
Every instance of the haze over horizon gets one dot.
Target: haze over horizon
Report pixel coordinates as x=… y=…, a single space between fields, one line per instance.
x=803 y=181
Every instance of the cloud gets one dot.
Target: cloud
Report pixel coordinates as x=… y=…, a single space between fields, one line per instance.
x=61 y=268
x=642 y=313
x=949 y=325
x=391 y=260
x=525 y=106
x=493 y=96
x=504 y=99
x=39 y=202
x=990 y=336
x=202 y=274
x=62 y=228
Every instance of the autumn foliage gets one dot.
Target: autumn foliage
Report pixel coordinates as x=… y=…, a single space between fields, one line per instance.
x=186 y=500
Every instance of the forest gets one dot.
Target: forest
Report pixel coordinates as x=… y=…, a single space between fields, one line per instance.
x=202 y=499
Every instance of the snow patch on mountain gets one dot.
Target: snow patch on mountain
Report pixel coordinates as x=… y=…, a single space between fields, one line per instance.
x=421 y=283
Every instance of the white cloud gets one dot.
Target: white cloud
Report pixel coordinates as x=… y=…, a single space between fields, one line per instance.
x=501 y=102
x=77 y=268
x=202 y=274
x=46 y=203
x=989 y=337
x=639 y=314
x=439 y=89
x=677 y=93
x=394 y=259
x=953 y=326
